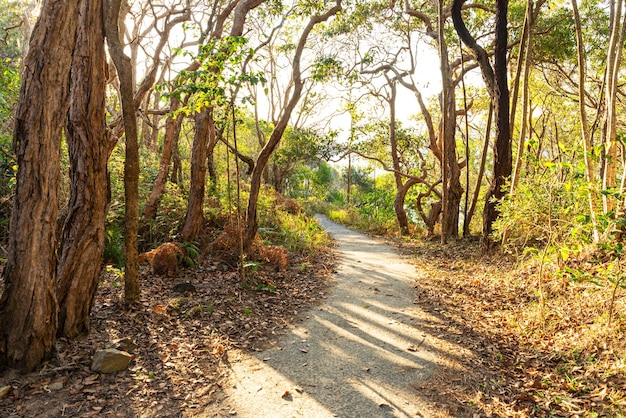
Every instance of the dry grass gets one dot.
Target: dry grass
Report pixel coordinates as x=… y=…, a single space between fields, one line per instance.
x=228 y=244
x=541 y=343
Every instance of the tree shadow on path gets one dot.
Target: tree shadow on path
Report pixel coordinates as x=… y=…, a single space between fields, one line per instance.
x=366 y=352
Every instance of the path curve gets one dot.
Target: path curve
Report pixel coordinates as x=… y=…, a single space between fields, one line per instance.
x=360 y=354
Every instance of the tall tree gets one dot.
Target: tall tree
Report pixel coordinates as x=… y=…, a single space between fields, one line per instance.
x=584 y=123
x=131 y=162
x=496 y=81
x=28 y=308
x=80 y=255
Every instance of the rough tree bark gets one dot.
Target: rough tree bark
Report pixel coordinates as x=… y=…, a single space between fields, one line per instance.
x=80 y=255
x=496 y=80
x=131 y=163
x=28 y=308
x=204 y=141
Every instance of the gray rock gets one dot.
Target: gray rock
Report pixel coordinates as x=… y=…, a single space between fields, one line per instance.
x=110 y=360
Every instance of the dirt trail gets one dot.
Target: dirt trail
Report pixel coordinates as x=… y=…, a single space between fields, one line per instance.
x=361 y=354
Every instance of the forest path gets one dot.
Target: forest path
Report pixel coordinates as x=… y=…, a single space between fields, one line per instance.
x=363 y=353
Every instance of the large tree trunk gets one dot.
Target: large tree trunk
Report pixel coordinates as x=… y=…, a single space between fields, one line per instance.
x=204 y=141
x=131 y=163
x=28 y=308
x=80 y=255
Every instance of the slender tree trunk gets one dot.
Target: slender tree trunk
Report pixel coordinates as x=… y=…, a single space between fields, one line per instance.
x=481 y=172
x=80 y=255
x=131 y=163
x=177 y=164
x=172 y=131
x=151 y=142
x=398 y=204
x=28 y=308
x=526 y=60
x=610 y=130
x=582 y=106
x=204 y=141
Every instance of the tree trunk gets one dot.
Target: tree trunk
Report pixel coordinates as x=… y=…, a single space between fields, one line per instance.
x=481 y=171
x=172 y=131
x=451 y=172
x=584 y=124
x=610 y=131
x=204 y=141
x=502 y=160
x=131 y=163
x=177 y=164
x=28 y=308
x=398 y=203
x=80 y=255
x=496 y=80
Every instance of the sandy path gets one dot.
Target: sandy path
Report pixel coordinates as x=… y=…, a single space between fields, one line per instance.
x=361 y=354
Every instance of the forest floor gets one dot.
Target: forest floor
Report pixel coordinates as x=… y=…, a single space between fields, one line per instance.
x=468 y=360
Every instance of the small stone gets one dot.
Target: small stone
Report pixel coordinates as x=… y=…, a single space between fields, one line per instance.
x=110 y=360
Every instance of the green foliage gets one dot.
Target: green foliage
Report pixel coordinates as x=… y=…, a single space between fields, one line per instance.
x=170 y=216
x=348 y=217
x=114 y=245
x=376 y=209
x=191 y=253
x=606 y=271
x=221 y=70
x=298 y=232
x=547 y=206
x=326 y=68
